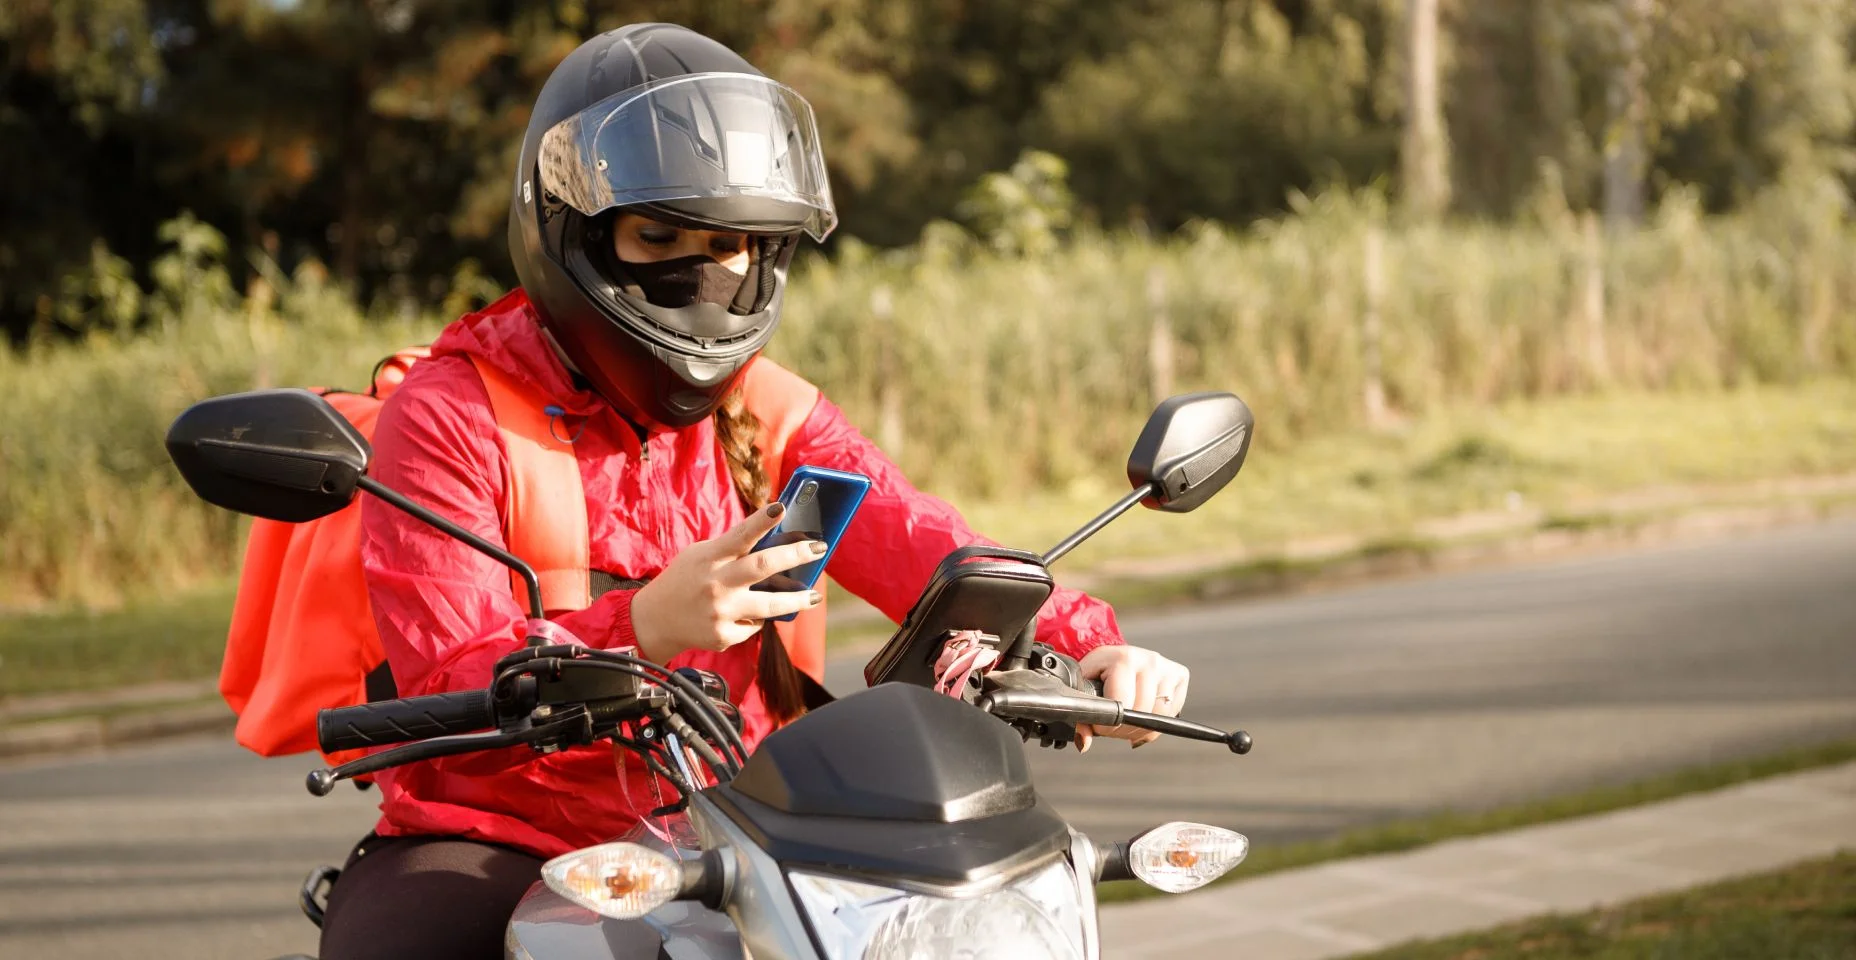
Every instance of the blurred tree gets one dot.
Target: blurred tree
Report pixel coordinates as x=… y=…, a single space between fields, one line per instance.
x=1295 y=100
x=74 y=77
x=1025 y=211
x=378 y=135
x=1627 y=112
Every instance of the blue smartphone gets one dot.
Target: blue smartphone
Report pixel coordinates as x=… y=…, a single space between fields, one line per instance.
x=819 y=505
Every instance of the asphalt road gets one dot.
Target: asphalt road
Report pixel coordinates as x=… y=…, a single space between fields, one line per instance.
x=1366 y=704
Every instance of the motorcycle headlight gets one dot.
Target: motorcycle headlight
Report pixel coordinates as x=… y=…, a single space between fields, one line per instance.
x=1037 y=918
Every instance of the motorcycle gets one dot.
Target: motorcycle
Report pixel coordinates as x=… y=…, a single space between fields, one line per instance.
x=896 y=823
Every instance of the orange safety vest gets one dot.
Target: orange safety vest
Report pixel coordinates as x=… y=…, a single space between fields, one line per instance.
x=303 y=637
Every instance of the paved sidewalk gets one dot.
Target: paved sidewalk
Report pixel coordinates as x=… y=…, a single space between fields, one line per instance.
x=1350 y=906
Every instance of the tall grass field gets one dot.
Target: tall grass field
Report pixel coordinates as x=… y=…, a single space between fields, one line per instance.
x=992 y=378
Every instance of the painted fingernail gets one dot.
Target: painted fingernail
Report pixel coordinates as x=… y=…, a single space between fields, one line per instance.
x=815 y=598
x=817 y=547
x=775 y=508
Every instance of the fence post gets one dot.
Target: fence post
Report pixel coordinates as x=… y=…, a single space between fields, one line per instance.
x=889 y=434
x=1159 y=337
x=1371 y=328
x=1597 y=357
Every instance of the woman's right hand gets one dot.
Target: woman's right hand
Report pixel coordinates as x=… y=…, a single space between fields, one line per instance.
x=702 y=600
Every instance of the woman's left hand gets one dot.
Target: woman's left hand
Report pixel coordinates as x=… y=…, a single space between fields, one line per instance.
x=1142 y=680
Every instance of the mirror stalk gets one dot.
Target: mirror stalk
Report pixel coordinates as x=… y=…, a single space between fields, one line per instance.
x=475 y=542
x=1103 y=519
x=1018 y=653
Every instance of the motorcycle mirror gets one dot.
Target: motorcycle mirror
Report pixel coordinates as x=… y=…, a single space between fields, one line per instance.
x=1192 y=446
x=279 y=454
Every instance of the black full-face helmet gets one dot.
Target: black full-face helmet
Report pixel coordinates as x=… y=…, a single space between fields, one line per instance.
x=660 y=120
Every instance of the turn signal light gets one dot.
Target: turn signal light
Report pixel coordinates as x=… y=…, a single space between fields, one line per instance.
x=1178 y=857
x=623 y=881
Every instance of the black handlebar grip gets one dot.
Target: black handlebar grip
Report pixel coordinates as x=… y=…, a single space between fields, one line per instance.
x=398 y=721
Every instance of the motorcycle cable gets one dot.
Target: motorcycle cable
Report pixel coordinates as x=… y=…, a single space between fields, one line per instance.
x=709 y=716
x=708 y=719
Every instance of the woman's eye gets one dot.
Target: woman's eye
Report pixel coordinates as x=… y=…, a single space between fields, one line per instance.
x=727 y=244
x=658 y=238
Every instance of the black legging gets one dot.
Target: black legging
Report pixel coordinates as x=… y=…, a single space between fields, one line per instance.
x=409 y=898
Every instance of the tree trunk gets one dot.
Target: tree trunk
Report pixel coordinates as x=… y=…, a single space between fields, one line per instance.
x=1425 y=159
x=354 y=146
x=1625 y=160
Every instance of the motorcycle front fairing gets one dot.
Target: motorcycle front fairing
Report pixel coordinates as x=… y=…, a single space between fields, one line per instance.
x=896 y=790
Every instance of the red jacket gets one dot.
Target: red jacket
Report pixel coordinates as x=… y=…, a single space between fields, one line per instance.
x=446 y=613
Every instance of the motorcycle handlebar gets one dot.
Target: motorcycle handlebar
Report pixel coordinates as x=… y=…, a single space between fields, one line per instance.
x=399 y=721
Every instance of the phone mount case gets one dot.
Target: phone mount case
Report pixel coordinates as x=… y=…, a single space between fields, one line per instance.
x=995 y=590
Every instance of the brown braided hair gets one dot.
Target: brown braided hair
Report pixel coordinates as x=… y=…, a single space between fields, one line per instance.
x=735 y=429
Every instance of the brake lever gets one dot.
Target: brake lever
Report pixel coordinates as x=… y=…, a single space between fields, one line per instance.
x=1052 y=695
x=573 y=727
x=1237 y=740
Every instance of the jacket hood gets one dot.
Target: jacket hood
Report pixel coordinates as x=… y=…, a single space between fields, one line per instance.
x=508 y=336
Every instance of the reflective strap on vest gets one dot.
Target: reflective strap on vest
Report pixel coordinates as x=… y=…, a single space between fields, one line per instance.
x=542 y=523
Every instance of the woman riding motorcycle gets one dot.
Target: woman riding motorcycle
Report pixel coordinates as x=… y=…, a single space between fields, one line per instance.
x=661 y=191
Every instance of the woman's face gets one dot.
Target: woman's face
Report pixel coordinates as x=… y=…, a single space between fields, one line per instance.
x=640 y=239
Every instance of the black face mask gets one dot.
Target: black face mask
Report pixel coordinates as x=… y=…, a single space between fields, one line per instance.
x=684 y=281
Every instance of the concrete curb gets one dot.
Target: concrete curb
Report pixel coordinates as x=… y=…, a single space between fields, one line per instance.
x=80 y=734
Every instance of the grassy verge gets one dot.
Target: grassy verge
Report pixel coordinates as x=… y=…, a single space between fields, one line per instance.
x=1409 y=834
x=148 y=640
x=1553 y=456
x=1804 y=912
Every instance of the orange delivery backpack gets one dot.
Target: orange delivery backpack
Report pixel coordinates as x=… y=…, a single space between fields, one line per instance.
x=303 y=638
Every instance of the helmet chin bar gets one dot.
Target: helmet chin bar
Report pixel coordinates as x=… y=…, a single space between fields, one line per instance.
x=638 y=356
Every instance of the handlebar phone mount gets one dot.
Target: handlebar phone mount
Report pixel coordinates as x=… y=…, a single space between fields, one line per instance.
x=994 y=590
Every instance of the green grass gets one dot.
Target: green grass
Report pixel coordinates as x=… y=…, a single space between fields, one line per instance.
x=148 y=640
x=1804 y=912
x=1410 y=834
x=1553 y=454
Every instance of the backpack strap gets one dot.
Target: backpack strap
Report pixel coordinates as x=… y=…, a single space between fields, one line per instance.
x=544 y=515
x=391 y=371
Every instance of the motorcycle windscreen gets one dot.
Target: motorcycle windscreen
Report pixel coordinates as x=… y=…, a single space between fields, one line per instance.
x=642 y=792
x=745 y=147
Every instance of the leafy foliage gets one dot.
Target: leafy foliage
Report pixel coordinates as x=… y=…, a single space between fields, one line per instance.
x=377 y=136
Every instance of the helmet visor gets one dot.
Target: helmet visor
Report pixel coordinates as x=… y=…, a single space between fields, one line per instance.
x=745 y=146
